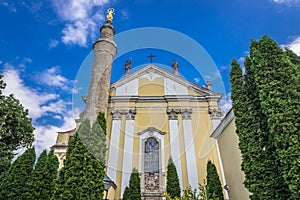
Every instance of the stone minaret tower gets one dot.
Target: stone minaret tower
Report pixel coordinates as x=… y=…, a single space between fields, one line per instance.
x=104 y=51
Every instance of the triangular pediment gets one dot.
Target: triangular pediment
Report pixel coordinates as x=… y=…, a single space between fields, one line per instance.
x=152 y=71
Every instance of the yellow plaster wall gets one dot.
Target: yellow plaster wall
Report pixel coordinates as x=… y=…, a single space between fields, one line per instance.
x=231 y=160
x=151 y=88
x=205 y=147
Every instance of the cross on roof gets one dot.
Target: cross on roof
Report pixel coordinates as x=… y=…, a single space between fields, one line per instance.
x=151 y=56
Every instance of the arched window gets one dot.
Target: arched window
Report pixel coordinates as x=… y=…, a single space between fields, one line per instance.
x=151 y=155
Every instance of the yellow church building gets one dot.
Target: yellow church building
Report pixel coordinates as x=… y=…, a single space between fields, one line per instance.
x=153 y=114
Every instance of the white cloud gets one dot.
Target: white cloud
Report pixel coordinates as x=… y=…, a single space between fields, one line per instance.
x=10 y=7
x=40 y=105
x=45 y=136
x=124 y=14
x=226 y=103
x=53 y=43
x=294 y=46
x=83 y=18
x=214 y=75
x=52 y=77
x=197 y=79
x=288 y=2
x=29 y=98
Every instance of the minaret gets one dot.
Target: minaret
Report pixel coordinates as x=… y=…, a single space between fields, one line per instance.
x=104 y=51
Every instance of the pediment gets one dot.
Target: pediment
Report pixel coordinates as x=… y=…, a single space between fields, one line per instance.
x=152 y=72
x=151 y=130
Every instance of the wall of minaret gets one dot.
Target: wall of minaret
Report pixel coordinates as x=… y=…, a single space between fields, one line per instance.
x=104 y=51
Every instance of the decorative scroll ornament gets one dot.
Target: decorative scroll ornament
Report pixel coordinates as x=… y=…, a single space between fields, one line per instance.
x=130 y=114
x=215 y=113
x=117 y=114
x=173 y=113
x=151 y=182
x=186 y=113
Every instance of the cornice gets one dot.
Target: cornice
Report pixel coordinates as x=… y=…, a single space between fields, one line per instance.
x=224 y=123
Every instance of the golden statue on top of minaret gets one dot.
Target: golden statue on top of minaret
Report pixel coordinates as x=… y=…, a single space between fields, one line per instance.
x=109 y=16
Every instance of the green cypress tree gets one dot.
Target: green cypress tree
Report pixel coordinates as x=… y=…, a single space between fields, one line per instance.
x=126 y=194
x=44 y=176
x=133 y=192
x=262 y=176
x=16 y=180
x=173 y=186
x=102 y=121
x=82 y=174
x=277 y=79
x=214 y=187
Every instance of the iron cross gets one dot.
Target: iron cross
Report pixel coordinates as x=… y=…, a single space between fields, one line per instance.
x=151 y=56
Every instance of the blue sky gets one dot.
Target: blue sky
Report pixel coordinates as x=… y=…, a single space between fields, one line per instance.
x=43 y=44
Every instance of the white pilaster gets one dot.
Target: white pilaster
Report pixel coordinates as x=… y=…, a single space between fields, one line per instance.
x=190 y=153
x=113 y=150
x=175 y=148
x=222 y=170
x=128 y=154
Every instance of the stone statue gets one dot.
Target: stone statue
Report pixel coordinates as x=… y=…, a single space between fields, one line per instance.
x=175 y=67
x=109 y=16
x=128 y=66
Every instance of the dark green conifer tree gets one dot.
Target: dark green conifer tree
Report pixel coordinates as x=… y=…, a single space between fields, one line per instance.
x=16 y=180
x=173 y=186
x=43 y=177
x=277 y=79
x=82 y=174
x=213 y=187
x=133 y=192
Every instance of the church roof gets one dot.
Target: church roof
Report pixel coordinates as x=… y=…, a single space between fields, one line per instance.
x=151 y=68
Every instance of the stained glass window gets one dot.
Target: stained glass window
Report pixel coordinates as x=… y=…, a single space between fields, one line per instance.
x=151 y=155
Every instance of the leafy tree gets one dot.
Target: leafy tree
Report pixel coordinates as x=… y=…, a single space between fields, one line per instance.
x=81 y=176
x=133 y=192
x=173 y=186
x=16 y=181
x=16 y=130
x=214 y=187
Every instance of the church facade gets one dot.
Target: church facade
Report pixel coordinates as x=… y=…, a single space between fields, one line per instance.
x=152 y=114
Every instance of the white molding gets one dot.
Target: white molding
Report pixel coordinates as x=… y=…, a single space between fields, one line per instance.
x=224 y=123
x=166 y=74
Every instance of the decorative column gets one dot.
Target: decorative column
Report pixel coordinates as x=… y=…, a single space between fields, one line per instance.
x=128 y=148
x=189 y=147
x=216 y=115
x=113 y=155
x=174 y=140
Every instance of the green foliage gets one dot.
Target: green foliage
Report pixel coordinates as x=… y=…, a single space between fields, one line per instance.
x=16 y=130
x=265 y=105
x=102 y=121
x=44 y=176
x=173 y=186
x=133 y=192
x=191 y=194
x=213 y=187
x=81 y=176
x=16 y=181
